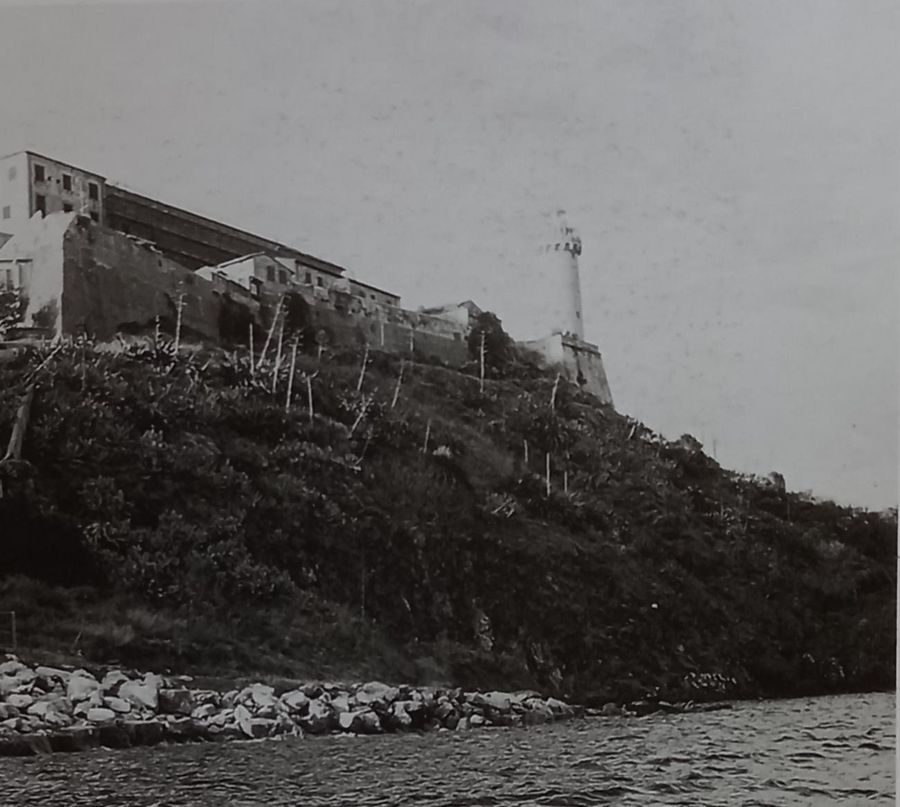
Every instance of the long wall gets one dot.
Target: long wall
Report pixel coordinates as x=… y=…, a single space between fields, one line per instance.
x=93 y=280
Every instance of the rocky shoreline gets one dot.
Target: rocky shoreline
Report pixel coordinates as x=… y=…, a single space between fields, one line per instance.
x=46 y=709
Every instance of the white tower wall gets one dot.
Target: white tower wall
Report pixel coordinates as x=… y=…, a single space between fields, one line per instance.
x=561 y=257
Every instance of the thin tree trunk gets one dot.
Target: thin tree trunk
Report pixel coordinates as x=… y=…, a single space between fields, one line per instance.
x=252 y=367
x=14 y=449
x=553 y=394
x=362 y=370
x=278 y=357
x=290 y=387
x=481 y=374
x=262 y=356
x=547 y=456
x=397 y=388
x=427 y=435
x=178 y=323
x=309 y=398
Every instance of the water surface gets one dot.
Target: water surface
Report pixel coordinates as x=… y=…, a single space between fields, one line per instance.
x=805 y=751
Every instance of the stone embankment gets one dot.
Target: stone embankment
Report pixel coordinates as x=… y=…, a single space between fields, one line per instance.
x=44 y=709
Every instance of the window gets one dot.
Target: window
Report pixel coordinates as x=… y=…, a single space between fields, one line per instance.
x=67 y=208
x=11 y=174
x=282 y=277
x=67 y=182
x=95 y=215
x=7 y=213
x=93 y=191
x=39 y=173
x=318 y=281
x=40 y=204
x=270 y=274
x=309 y=278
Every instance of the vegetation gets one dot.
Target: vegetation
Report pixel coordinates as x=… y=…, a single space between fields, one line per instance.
x=191 y=511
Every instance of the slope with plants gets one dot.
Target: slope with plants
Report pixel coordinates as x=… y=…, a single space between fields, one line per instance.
x=192 y=510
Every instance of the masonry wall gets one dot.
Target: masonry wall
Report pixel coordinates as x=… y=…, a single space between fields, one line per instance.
x=114 y=284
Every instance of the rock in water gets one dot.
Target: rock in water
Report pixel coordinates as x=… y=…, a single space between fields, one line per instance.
x=295 y=701
x=374 y=693
x=176 y=701
x=319 y=718
x=142 y=694
x=81 y=687
x=362 y=721
x=100 y=715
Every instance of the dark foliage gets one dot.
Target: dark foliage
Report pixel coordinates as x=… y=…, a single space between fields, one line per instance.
x=188 y=482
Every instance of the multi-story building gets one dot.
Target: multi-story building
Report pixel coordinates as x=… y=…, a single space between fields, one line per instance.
x=32 y=183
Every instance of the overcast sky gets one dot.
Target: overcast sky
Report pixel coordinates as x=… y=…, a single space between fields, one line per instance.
x=733 y=168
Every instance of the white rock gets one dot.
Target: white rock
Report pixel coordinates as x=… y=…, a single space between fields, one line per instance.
x=19 y=701
x=143 y=694
x=243 y=719
x=112 y=681
x=362 y=721
x=295 y=700
x=400 y=716
x=100 y=715
x=340 y=703
x=495 y=700
x=11 y=667
x=204 y=711
x=117 y=705
x=81 y=687
x=53 y=673
x=376 y=692
x=476 y=721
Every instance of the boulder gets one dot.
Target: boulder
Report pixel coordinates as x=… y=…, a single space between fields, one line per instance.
x=340 y=703
x=243 y=718
x=320 y=718
x=7 y=711
x=142 y=694
x=176 y=701
x=477 y=721
x=113 y=735
x=112 y=681
x=500 y=701
x=12 y=666
x=144 y=732
x=295 y=701
x=81 y=687
x=611 y=710
x=98 y=714
x=118 y=705
x=19 y=701
x=53 y=675
x=361 y=721
x=398 y=719
x=375 y=693
x=451 y=721
x=76 y=738
x=205 y=711
x=258 y=727
x=259 y=695
x=538 y=712
x=559 y=708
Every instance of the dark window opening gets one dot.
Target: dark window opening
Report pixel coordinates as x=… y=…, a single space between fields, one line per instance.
x=7 y=212
x=282 y=277
x=39 y=173
x=40 y=204
x=67 y=182
x=309 y=278
x=270 y=274
x=93 y=191
x=319 y=281
x=67 y=208
x=95 y=215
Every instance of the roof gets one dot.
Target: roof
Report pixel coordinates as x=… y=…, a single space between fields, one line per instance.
x=52 y=160
x=319 y=263
x=374 y=288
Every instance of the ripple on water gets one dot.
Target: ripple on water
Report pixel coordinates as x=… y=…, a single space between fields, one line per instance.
x=798 y=752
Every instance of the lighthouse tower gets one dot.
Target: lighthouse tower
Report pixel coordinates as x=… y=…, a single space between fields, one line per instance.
x=562 y=256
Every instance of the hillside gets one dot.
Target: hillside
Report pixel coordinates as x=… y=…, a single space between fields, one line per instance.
x=176 y=512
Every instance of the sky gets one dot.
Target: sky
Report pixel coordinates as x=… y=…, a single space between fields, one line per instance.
x=732 y=167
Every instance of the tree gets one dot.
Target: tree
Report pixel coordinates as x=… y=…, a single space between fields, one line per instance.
x=498 y=346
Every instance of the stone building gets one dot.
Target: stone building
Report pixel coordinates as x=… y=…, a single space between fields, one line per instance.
x=32 y=183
